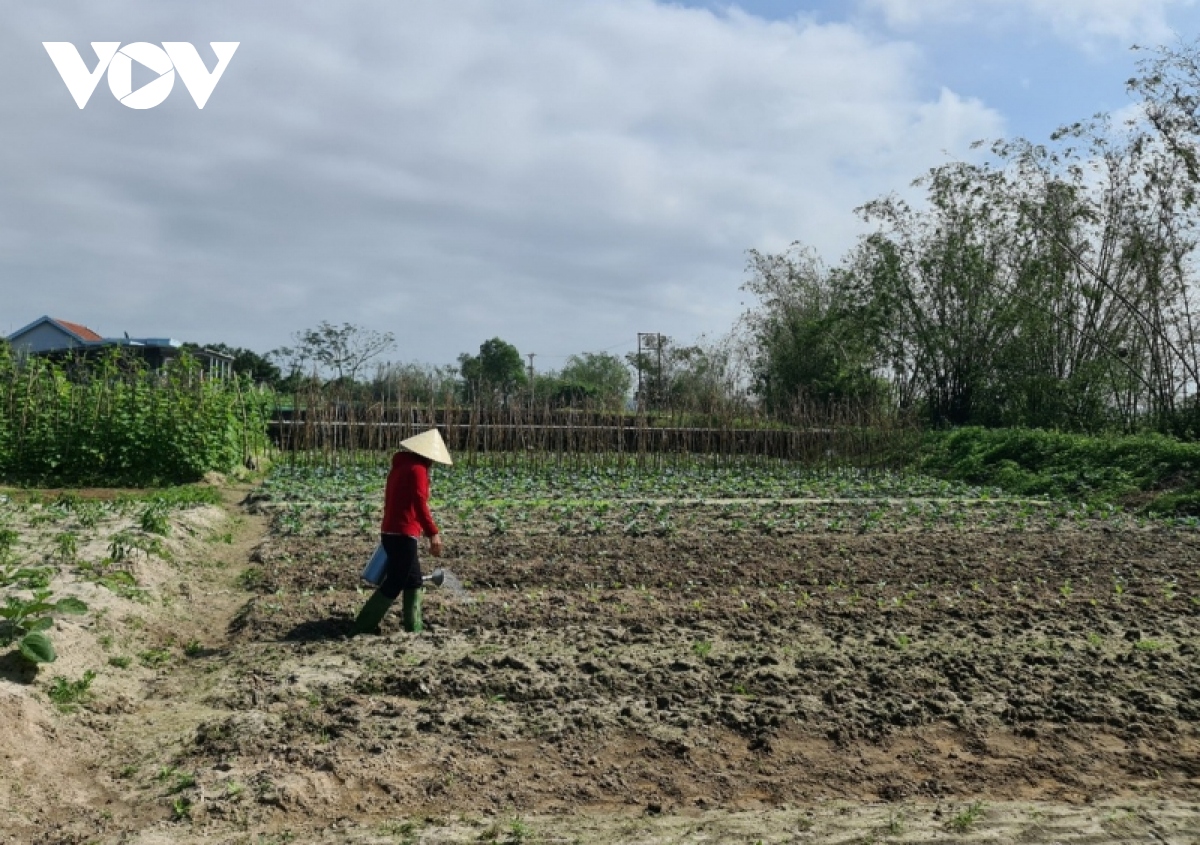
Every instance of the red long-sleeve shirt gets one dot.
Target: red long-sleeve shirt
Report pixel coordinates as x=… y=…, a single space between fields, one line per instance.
x=406 y=498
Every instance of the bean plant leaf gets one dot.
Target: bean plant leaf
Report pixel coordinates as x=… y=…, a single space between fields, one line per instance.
x=39 y=624
x=36 y=647
x=71 y=605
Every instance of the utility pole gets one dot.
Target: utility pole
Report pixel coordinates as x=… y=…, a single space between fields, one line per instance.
x=655 y=339
x=658 y=379
x=530 y=356
x=641 y=399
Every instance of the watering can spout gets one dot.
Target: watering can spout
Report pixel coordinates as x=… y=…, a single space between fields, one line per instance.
x=436 y=577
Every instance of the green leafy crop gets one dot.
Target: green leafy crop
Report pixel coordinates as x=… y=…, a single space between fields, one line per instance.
x=24 y=621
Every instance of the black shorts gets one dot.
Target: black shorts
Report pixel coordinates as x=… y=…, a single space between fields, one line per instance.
x=403 y=566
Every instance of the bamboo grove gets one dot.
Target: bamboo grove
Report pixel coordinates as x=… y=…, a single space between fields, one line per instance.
x=1044 y=285
x=114 y=421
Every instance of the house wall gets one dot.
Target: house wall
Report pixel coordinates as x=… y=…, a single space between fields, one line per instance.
x=43 y=338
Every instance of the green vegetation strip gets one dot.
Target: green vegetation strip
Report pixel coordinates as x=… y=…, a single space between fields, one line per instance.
x=1146 y=472
x=748 y=481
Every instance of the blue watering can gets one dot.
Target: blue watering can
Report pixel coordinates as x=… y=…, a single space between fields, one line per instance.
x=374 y=570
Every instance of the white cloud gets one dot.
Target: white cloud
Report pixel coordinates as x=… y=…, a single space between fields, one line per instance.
x=1085 y=23
x=562 y=175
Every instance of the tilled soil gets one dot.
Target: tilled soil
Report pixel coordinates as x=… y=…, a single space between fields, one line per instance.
x=711 y=669
x=594 y=675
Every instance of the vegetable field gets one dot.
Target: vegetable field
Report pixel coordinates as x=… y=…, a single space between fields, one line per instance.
x=702 y=653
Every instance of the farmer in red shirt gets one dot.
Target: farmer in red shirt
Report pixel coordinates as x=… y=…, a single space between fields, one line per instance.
x=406 y=517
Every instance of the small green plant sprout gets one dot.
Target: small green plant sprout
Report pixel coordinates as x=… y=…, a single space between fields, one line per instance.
x=155 y=657
x=121 y=662
x=192 y=647
x=1149 y=645
x=181 y=808
x=119 y=547
x=1095 y=640
x=66 y=546
x=499 y=524
x=175 y=780
x=154 y=520
x=1118 y=589
x=252 y=577
x=518 y=831
x=702 y=648
x=903 y=641
x=88 y=514
x=1066 y=590
x=70 y=694
x=966 y=819
x=8 y=541
x=25 y=621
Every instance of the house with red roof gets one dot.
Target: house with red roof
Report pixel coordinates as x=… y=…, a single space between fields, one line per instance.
x=60 y=339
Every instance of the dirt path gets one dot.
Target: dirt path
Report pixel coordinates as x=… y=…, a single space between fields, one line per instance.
x=154 y=659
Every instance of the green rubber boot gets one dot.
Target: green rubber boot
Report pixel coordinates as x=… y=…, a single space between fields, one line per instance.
x=412 y=610
x=372 y=613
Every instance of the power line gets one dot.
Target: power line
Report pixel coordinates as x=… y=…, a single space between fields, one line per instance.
x=606 y=349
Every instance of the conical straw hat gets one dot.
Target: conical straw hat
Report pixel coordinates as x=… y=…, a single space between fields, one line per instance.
x=428 y=444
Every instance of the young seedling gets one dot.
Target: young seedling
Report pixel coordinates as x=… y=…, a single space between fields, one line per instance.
x=70 y=694
x=66 y=546
x=154 y=520
x=966 y=819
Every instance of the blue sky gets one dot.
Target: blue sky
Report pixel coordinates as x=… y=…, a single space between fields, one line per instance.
x=1036 y=69
x=561 y=175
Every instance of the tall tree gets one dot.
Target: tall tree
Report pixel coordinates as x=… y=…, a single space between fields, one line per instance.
x=938 y=284
x=497 y=370
x=413 y=382
x=598 y=376
x=804 y=339
x=335 y=352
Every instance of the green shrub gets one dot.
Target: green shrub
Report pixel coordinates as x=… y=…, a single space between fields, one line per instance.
x=1149 y=471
